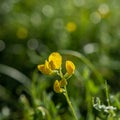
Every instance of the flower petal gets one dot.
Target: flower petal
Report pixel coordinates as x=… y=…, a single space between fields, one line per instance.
x=70 y=67
x=55 y=60
x=44 y=68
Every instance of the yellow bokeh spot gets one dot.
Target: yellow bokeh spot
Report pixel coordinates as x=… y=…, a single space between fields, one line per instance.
x=22 y=33
x=71 y=26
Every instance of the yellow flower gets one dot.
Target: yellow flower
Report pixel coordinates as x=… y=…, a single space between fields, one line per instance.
x=55 y=60
x=71 y=26
x=44 y=68
x=57 y=87
x=70 y=67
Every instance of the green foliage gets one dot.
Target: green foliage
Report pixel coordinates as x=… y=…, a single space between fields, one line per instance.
x=31 y=29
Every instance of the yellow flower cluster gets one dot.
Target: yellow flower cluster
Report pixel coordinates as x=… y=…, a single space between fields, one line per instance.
x=53 y=65
x=54 y=62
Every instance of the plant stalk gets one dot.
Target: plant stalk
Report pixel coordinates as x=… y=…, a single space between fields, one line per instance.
x=69 y=103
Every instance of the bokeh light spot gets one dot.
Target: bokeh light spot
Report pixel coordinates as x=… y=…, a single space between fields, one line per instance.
x=95 y=17
x=103 y=9
x=22 y=33
x=32 y=44
x=6 y=7
x=35 y=19
x=79 y=3
x=71 y=26
x=5 y=111
x=90 y=48
x=58 y=23
x=2 y=45
x=48 y=10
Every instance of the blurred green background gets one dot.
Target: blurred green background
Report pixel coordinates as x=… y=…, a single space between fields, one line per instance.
x=31 y=29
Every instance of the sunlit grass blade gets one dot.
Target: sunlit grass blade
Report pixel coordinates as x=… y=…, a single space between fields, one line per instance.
x=84 y=60
x=15 y=74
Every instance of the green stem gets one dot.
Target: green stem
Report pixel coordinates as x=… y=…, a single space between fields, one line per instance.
x=107 y=93
x=69 y=103
x=111 y=112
